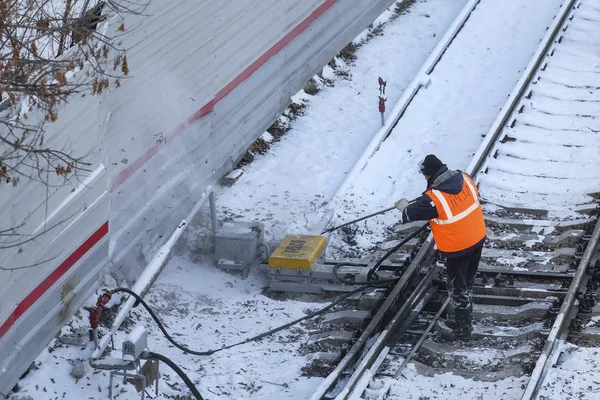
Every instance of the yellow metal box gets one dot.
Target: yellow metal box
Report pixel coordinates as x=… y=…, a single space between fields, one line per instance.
x=297 y=252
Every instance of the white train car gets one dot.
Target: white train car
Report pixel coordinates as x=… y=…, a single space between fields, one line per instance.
x=207 y=78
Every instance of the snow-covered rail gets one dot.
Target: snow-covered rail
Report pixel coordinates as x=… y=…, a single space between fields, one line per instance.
x=546 y=143
x=537 y=170
x=547 y=153
x=522 y=279
x=421 y=80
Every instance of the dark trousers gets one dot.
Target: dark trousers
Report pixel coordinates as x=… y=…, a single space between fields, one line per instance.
x=461 y=276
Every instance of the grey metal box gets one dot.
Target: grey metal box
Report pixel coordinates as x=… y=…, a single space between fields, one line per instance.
x=239 y=242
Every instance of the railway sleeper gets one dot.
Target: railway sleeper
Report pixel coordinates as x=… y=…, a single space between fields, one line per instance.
x=521 y=289
x=528 y=269
x=364 y=262
x=495 y=333
x=347 y=317
x=320 y=364
x=477 y=375
x=528 y=311
x=508 y=300
x=590 y=336
x=331 y=338
x=411 y=245
x=366 y=300
x=539 y=225
x=595 y=312
x=480 y=359
x=572 y=236
x=590 y=209
x=517 y=209
x=544 y=257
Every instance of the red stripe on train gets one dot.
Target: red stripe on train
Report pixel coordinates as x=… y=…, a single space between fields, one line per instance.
x=207 y=108
x=51 y=279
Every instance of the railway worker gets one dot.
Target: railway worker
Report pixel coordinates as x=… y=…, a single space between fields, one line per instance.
x=451 y=204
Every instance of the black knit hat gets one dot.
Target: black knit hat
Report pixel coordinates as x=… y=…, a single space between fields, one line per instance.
x=430 y=165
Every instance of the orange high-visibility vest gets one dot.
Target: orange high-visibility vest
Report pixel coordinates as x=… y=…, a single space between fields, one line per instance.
x=460 y=223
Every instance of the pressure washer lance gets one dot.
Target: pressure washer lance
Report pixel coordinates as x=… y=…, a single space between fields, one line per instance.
x=365 y=217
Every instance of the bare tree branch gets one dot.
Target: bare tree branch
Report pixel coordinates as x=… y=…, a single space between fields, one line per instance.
x=17 y=239
x=50 y=51
x=37 y=264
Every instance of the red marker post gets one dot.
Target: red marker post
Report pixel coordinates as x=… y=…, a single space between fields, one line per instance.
x=382 y=99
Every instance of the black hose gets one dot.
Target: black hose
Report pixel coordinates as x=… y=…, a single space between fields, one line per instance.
x=372 y=274
x=340 y=279
x=381 y=283
x=186 y=379
x=179 y=371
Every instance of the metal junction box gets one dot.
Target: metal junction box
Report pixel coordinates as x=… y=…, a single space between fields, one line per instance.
x=237 y=244
x=135 y=343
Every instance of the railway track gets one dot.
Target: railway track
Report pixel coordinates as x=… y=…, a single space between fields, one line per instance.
x=538 y=175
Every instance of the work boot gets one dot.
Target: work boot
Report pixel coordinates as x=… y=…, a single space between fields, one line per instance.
x=464 y=324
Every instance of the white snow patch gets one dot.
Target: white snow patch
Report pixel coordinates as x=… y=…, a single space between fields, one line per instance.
x=328 y=72
x=267 y=137
x=449 y=117
x=549 y=229
x=532 y=242
x=511 y=261
x=537 y=229
x=415 y=386
x=204 y=309
x=575 y=376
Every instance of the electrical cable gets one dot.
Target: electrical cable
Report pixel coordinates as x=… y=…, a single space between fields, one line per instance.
x=372 y=274
x=340 y=279
x=139 y=299
x=179 y=371
x=367 y=284
x=363 y=285
x=371 y=283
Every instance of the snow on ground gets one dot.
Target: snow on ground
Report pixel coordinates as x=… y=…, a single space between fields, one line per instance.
x=449 y=386
x=469 y=86
x=287 y=187
x=284 y=188
x=224 y=310
x=576 y=376
x=207 y=308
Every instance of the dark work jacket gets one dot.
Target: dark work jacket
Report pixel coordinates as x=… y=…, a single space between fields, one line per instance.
x=424 y=209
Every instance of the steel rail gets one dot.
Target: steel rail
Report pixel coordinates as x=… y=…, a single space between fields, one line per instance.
x=376 y=325
x=401 y=321
x=562 y=321
x=517 y=94
x=417 y=345
x=421 y=79
x=476 y=164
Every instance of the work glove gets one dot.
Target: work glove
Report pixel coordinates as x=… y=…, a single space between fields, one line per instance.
x=401 y=204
